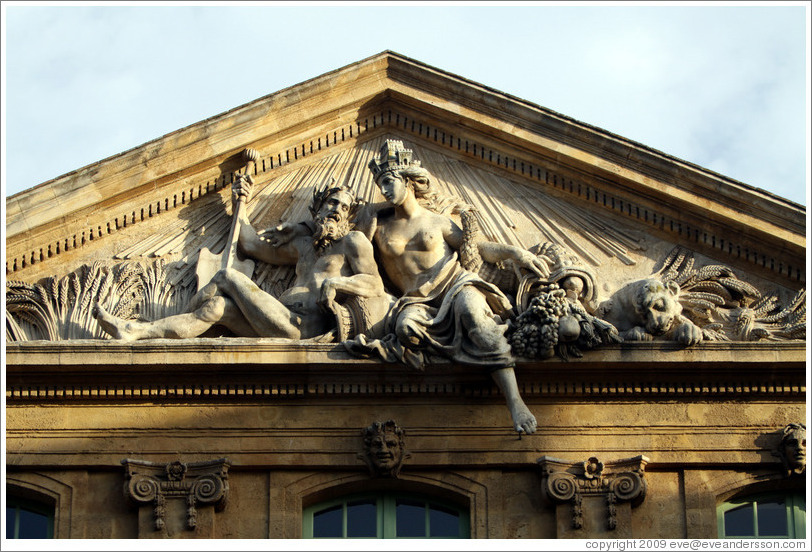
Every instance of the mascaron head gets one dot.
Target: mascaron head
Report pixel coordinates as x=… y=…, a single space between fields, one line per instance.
x=793 y=448
x=384 y=448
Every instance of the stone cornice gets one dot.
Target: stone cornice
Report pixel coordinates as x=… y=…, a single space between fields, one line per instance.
x=524 y=115
x=617 y=167
x=250 y=369
x=271 y=351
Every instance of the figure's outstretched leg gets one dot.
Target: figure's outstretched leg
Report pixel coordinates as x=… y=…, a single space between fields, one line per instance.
x=523 y=419
x=186 y=325
x=264 y=312
x=489 y=337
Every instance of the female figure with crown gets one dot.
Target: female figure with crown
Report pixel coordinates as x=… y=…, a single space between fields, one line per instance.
x=443 y=308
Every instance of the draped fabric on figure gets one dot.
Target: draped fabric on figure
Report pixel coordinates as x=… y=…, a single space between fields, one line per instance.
x=429 y=313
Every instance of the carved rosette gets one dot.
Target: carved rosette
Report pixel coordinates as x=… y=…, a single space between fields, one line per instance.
x=198 y=483
x=569 y=482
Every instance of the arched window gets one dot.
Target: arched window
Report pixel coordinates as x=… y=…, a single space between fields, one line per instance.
x=767 y=515
x=385 y=516
x=28 y=519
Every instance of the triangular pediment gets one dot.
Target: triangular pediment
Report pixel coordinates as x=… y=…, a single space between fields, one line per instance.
x=509 y=211
x=533 y=175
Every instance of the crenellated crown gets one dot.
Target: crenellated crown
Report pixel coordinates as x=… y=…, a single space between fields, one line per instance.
x=393 y=157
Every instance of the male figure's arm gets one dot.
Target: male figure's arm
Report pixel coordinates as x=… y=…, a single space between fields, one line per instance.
x=286 y=232
x=281 y=252
x=365 y=280
x=366 y=219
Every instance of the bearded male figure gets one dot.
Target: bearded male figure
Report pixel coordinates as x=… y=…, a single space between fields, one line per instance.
x=332 y=260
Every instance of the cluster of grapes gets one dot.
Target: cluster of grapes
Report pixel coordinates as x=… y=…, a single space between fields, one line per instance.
x=535 y=333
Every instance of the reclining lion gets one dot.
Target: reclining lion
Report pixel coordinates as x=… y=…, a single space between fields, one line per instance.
x=649 y=308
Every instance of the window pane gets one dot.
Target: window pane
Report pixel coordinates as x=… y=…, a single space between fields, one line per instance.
x=11 y=513
x=411 y=518
x=328 y=523
x=383 y=515
x=443 y=522
x=361 y=519
x=772 y=518
x=32 y=525
x=739 y=522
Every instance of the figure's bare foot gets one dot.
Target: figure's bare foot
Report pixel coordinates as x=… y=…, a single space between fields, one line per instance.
x=116 y=327
x=523 y=419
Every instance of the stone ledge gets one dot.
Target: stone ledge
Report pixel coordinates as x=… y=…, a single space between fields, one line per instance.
x=95 y=354
x=486 y=449
x=250 y=370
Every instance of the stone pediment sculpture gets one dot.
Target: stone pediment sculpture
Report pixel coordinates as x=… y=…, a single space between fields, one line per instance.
x=408 y=237
x=329 y=259
x=688 y=304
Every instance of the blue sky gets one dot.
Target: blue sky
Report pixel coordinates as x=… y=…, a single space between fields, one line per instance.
x=721 y=86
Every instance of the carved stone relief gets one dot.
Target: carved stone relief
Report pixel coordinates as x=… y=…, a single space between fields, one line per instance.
x=384 y=448
x=61 y=308
x=550 y=215
x=687 y=304
x=792 y=449
x=727 y=308
x=413 y=279
x=555 y=312
x=159 y=486
x=594 y=498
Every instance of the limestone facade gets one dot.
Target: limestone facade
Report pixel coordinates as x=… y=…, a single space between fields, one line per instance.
x=222 y=436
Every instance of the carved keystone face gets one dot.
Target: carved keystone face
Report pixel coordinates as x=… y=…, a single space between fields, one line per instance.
x=385 y=451
x=393 y=188
x=794 y=449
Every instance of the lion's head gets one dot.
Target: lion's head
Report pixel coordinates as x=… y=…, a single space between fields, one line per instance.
x=656 y=304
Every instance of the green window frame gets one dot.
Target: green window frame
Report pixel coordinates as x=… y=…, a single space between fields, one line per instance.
x=746 y=510
x=410 y=510
x=28 y=519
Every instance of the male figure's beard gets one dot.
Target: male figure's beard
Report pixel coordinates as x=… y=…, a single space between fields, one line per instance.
x=329 y=230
